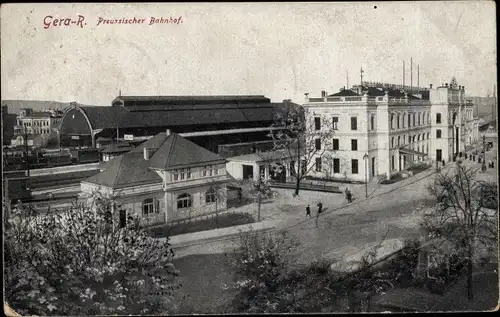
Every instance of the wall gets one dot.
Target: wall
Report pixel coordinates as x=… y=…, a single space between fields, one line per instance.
x=199 y=206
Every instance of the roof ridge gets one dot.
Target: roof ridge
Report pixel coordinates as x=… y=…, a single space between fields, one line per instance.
x=172 y=146
x=115 y=180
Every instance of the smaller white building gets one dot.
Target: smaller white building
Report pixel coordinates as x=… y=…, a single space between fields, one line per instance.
x=275 y=165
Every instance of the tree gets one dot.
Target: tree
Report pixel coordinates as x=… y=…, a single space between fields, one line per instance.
x=260 y=189
x=261 y=267
x=297 y=139
x=73 y=262
x=461 y=215
x=216 y=194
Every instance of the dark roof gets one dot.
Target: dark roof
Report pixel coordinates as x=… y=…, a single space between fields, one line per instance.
x=345 y=93
x=104 y=117
x=166 y=115
x=174 y=152
x=129 y=169
x=190 y=99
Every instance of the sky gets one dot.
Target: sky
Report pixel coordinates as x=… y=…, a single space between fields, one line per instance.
x=280 y=50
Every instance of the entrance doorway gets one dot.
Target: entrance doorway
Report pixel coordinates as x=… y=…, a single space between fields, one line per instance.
x=439 y=154
x=247 y=171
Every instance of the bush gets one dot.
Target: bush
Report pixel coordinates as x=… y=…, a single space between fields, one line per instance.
x=74 y=262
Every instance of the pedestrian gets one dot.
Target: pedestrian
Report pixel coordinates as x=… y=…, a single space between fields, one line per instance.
x=347 y=193
x=320 y=209
x=308 y=211
x=240 y=196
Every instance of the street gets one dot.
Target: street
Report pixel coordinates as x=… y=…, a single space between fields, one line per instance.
x=392 y=212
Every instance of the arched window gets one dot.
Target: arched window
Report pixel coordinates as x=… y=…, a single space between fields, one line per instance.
x=392 y=121
x=404 y=120
x=399 y=140
x=454 y=118
x=419 y=115
x=150 y=206
x=210 y=196
x=409 y=120
x=392 y=142
x=184 y=201
x=428 y=135
x=398 y=121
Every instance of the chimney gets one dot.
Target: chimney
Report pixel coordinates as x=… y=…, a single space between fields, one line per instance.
x=446 y=85
x=430 y=86
x=323 y=93
x=168 y=132
x=148 y=152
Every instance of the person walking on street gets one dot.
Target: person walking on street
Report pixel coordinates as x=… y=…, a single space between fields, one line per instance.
x=320 y=209
x=308 y=211
x=347 y=195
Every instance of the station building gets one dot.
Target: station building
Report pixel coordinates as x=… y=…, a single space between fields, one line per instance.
x=380 y=129
x=213 y=122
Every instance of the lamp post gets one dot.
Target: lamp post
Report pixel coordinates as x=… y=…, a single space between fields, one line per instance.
x=365 y=157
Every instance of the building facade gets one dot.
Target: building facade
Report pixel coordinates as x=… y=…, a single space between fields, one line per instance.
x=165 y=179
x=41 y=124
x=380 y=130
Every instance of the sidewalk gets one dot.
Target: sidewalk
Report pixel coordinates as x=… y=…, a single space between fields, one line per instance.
x=189 y=239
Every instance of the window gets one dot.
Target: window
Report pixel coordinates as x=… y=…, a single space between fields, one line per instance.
x=176 y=175
x=354 y=145
x=150 y=206
x=392 y=142
x=335 y=122
x=397 y=122
x=317 y=123
x=318 y=164
x=210 y=196
x=392 y=121
x=354 y=166
x=393 y=162
x=335 y=144
x=413 y=119
x=409 y=120
x=184 y=201
x=354 y=123
x=438 y=134
x=399 y=140
x=215 y=170
x=419 y=118
x=206 y=171
x=318 y=144
x=336 y=165
x=438 y=118
x=372 y=122
x=182 y=174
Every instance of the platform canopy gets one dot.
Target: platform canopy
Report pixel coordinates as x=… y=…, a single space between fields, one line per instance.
x=412 y=152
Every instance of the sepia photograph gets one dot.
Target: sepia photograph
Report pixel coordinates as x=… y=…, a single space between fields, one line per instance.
x=249 y=158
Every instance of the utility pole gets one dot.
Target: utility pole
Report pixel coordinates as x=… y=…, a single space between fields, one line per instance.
x=347 y=76
x=361 y=74
x=26 y=153
x=411 y=74
x=404 y=75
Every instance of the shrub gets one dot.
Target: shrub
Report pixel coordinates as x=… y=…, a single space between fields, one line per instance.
x=75 y=263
